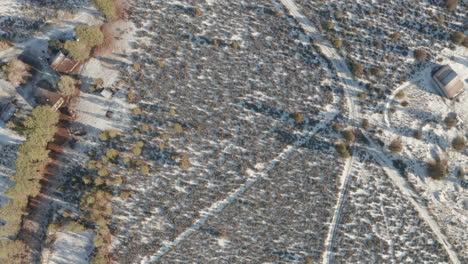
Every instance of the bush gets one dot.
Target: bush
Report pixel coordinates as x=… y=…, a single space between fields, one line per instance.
x=349 y=136
x=375 y=71
x=365 y=124
x=112 y=154
x=184 y=161
x=451 y=4
x=104 y=136
x=235 y=46
x=457 y=38
x=75 y=227
x=459 y=143
x=450 y=122
x=107 y=7
x=437 y=170
x=78 y=50
x=342 y=149
x=400 y=95
x=418 y=135
x=298 y=117
x=460 y=173
x=136 y=111
x=90 y=35
x=420 y=55
x=404 y=103
x=395 y=36
x=357 y=69
x=66 y=85
x=178 y=128
x=337 y=43
x=395 y=146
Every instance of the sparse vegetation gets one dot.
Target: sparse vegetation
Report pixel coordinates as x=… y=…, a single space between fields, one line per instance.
x=457 y=38
x=451 y=4
x=349 y=136
x=357 y=69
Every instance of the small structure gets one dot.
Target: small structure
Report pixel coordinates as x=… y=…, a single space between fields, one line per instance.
x=107 y=93
x=63 y=64
x=448 y=81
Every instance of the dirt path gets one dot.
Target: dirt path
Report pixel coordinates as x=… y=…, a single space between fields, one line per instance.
x=347 y=78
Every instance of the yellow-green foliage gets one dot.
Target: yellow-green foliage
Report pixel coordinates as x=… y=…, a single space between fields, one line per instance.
x=31 y=159
x=75 y=227
x=107 y=7
x=91 y=36
x=78 y=50
x=66 y=85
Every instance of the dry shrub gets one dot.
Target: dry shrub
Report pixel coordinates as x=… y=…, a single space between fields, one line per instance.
x=395 y=146
x=459 y=143
x=437 y=170
x=4 y=45
x=17 y=72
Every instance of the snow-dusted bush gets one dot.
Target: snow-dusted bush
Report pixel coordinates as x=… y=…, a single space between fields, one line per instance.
x=459 y=143
x=437 y=170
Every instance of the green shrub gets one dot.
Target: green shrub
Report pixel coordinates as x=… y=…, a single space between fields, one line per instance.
x=78 y=50
x=178 y=128
x=66 y=85
x=136 y=111
x=458 y=143
x=145 y=169
x=107 y=7
x=75 y=227
x=90 y=35
x=337 y=43
x=400 y=95
x=112 y=154
x=104 y=136
x=437 y=170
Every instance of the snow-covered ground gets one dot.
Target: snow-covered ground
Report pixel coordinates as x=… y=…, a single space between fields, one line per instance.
x=69 y=247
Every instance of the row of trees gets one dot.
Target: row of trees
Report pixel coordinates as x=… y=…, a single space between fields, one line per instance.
x=32 y=157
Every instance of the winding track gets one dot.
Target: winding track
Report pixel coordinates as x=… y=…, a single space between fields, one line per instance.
x=345 y=75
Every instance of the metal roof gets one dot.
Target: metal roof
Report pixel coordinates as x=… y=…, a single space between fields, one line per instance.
x=448 y=81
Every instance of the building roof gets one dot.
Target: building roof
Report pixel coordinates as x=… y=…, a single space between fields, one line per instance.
x=63 y=64
x=448 y=81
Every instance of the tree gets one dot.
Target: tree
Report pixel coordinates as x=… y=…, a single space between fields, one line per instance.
x=78 y=50
x=459 y=143
x=91 y=36
x=107 y=7
x=66 y=85
x=457 y=37
x=16 y=72
x=420 y=55
x=451 y=4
